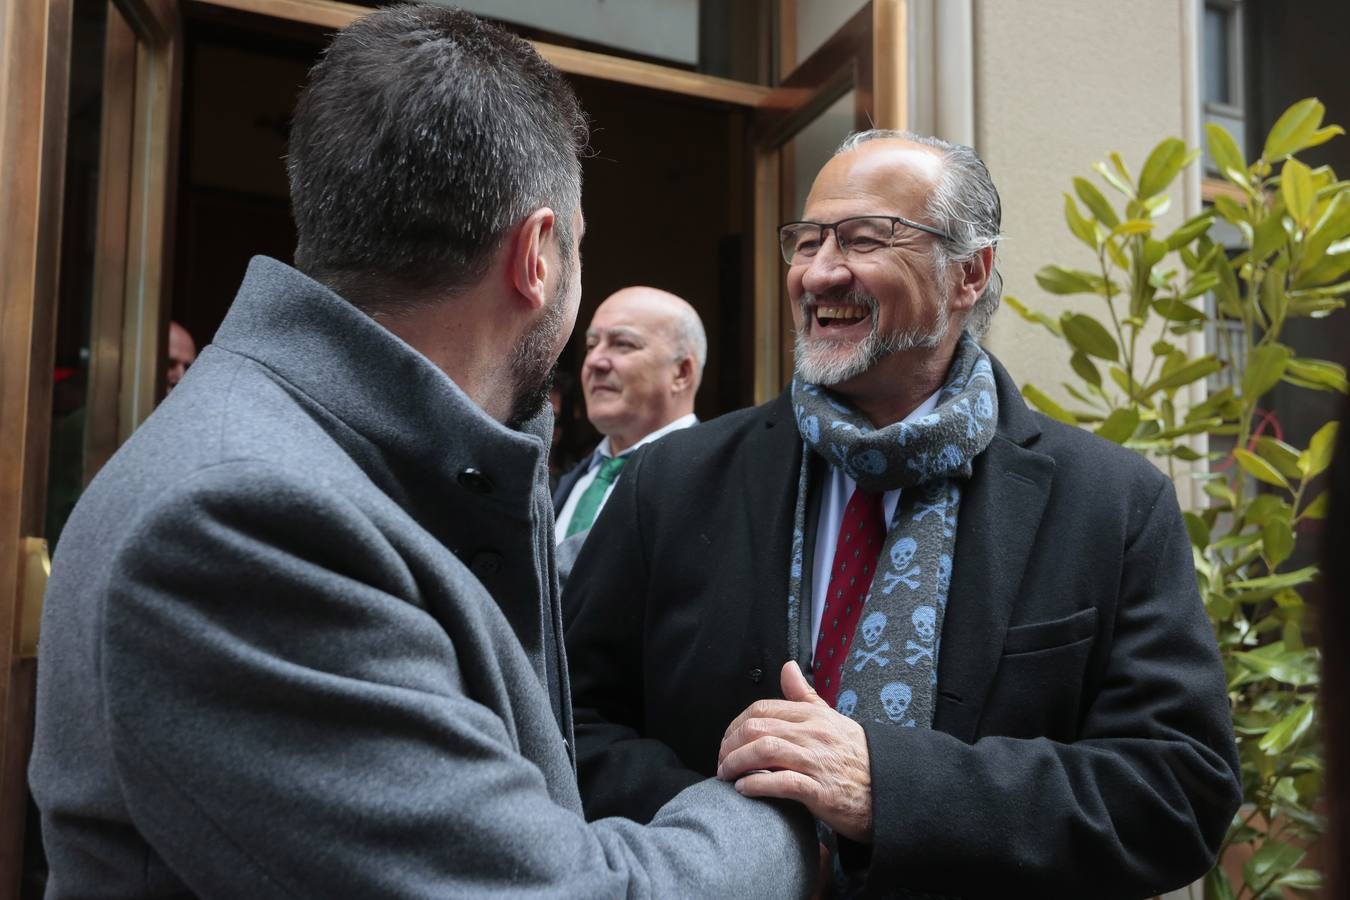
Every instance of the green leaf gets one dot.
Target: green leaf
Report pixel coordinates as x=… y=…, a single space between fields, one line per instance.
x=1039 y=399
x=1259 y=469
x=1059 y=280
x=1201 y=283
x=1268 y=236
x=1316 y=308
x=1277 y=541
x=1317 y=373
x=1081 y=228
x=1197 y=529
x=1318 y=508
x=1293 y=667
x=1036 y=316
x=1276 y=583
x=1117 y=255
x=1132 y=227
x=1190 y=372
x=1315 y=460
x=1084 y=368
x=1196 y=427
x=1333 y=266
x=1331 y=226
x=1287 y=732
x=1296 y=185
x=1111 y=178
x=1189 y=231
x=1225 y=153
x=1294 y=129
x=1089 y=336
x=1274 y=297
x=1162 y=167
x=1280 y=455
x=1095 y=201
x=1300 y=879
x=1265 y=368
x=1120 y=425
x=1174 y=310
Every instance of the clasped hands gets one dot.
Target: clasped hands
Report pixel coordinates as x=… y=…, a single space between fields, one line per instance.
x=798 y=748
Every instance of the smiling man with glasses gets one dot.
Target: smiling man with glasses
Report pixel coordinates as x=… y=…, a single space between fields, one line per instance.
x=968 y=638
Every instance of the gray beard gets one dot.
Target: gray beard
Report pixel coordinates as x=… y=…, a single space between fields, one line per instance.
x=827 y=362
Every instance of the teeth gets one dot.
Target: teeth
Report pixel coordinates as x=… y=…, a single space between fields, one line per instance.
x=840 y=312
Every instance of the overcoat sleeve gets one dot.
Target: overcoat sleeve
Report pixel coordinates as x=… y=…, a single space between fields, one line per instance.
x=296 y=725
x=621 y=772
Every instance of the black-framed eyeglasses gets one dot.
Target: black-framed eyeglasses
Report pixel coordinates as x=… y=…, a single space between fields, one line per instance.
x=856 y=235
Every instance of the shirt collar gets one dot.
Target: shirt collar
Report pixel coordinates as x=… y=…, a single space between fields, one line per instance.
x=602 y=452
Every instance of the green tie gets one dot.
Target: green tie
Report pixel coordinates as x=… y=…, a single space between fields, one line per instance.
x=589 y=504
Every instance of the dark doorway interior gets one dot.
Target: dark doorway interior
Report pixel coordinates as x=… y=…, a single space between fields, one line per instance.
x=666 y=196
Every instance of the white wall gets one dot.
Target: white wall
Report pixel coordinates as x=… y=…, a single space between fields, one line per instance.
x=1058 y=85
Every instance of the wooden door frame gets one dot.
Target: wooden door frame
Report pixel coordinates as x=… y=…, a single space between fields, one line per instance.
x=34 y=94
x=867 y=54
x=34 y=81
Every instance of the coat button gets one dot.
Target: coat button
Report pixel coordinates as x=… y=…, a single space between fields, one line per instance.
x=473 y=480
x=485 y=563
x=756 y=674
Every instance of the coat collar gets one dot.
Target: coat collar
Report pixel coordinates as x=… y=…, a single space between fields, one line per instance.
x=404 y=418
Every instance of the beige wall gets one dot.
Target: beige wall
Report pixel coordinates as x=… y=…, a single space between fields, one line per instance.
x=1058 y=84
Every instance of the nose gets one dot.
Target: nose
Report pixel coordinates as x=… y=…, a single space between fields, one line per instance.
x=826 y=270
x=597 y=360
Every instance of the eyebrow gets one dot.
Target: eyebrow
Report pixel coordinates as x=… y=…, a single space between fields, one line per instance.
x=619 y=331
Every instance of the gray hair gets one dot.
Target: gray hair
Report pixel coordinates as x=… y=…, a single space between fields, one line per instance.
x=965 y=204
x=686 y=330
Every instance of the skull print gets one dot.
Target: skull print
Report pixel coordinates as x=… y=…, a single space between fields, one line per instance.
x=895 y=698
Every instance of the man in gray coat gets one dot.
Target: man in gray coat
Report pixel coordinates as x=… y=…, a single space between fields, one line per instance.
x=302 y=637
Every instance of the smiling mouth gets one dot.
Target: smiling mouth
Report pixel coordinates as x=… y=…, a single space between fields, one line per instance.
x=839 y=315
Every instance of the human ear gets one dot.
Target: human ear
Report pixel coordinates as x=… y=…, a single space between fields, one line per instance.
x=684 y=374
x=528 y=268
x=973 y=276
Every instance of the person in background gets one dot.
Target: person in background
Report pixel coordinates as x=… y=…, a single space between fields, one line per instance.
x=645 y=351
x=302 y=636
x=182 y=354
x=966 y=636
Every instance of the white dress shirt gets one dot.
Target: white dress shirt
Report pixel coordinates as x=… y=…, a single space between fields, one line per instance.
x=837 y=490
x=601 y=454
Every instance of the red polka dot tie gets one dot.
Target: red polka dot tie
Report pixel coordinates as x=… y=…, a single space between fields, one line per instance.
x=855 y=560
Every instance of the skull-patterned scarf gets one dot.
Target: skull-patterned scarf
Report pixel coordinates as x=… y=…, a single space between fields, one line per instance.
x=891 y=674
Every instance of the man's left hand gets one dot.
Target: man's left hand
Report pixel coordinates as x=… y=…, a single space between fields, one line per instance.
x=800 y=749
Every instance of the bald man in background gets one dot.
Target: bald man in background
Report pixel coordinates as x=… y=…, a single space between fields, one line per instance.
x=182 y=354
x=645 y=350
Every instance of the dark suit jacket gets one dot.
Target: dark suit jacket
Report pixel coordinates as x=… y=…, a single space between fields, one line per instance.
x=568 y=481
x=1082 y=743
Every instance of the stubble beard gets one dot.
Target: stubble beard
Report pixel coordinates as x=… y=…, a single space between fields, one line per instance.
x=534 y=363
x=827 y=361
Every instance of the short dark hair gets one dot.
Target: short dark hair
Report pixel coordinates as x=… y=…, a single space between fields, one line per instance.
x=423 y=135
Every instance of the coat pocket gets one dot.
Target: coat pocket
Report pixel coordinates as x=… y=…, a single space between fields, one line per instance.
x=1038 y=636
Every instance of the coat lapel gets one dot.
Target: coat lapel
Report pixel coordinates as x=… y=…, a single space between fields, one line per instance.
x=773 y=458
x=1000 y=514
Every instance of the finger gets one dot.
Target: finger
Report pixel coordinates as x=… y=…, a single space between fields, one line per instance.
x=766 y=753
x=795 y=686
x=806 y=733
x=785 y=785
x=786 y=710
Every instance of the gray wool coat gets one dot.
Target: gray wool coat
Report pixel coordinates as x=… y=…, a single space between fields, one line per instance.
x=302 y=639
